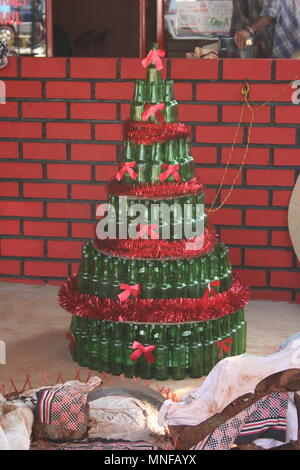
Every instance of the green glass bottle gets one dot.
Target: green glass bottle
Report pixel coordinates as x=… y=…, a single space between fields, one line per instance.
x=150 y=288
x=225 y=272
x=226 y=333
x=133 y=272
x=96 y=279
x=156 y=92
x=143 y=153
x=117 y=277
x=171 y=153
x=178 y=359
x=182 y=149
x=165 y=286
x=105 y=348
x=143 y=171
x=197 y=352
x=130 y=367
x=193 y=284
x=94 y=345
x=233 y=333
x=168 y=90
x=155 y=172
x=84 y=343
x=210 y=349
x=171 y=111
x=157 y=152
x=161 y=364
x=180 y=287
x=145 y=368
x=213 y=265
x=139 y=91
x=203 y=275
x=117 y=356
x=217 y=336
x=186 y=334
x=75 y=329
x=128 y=151
x=241 y=331
x=86 y=273
x=105 y=283
x=153 y=75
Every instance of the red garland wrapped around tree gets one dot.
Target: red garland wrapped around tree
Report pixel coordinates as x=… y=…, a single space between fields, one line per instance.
x=156 y=302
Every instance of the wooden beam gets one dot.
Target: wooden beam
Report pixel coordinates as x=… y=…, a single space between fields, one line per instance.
x=49 y=28
x=142 y=28
x=160 y=21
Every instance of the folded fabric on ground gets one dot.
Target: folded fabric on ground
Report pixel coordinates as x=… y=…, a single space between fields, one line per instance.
x=65 y=407
x=15 y=426
x=230 y=379
x=266 y=419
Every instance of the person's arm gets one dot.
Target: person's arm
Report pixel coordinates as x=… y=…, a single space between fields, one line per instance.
x=243 y=35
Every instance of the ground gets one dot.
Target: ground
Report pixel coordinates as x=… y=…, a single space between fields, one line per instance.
x=34 y=326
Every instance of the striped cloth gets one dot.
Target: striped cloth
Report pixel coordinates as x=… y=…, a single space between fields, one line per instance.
x=266 y=419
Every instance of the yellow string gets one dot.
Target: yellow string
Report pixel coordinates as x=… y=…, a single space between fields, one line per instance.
x=253 y=110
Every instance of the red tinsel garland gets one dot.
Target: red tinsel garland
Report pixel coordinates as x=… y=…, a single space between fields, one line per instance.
x=157 y=249
x=153 y=310
x=150 y=133
x=158 y=191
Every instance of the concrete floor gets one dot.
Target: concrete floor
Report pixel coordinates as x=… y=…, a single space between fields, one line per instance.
x=33 y=326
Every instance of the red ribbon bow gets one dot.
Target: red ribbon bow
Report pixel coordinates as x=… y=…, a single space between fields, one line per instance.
x=149 y=230
x=72 y=343
x=210 y=290
x=154 y=55
x=224 y=346
x=127 y=167
x=170 y=170
x=156 y=109
x=140 y=349
x=134 y=290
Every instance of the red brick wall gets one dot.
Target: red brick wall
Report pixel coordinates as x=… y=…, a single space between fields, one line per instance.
x=61 y=132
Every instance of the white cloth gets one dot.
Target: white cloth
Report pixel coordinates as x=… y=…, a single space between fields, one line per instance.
x=230 y=379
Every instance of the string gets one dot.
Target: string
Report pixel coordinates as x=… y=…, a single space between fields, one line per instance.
x=253 y=110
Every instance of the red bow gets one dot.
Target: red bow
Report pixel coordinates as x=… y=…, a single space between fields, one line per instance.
x=149 y=230
x=154 y=55
x=210 y=289
x=153 y=109
x=134 y=290
x=127 y=167
x=224 y=346
x=140 y=349
x=72 y=343
x=170 y=170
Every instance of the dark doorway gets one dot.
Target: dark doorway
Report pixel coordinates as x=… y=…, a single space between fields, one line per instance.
x=96 y=28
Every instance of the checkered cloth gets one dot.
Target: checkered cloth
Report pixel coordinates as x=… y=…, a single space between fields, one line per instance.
x=63 y=406
x=266 y=419
x=287 y=26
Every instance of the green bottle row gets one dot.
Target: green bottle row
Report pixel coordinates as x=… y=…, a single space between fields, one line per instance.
x=154 y=91
x=171 y=152
x=102 y=275
x=185 y=349
x=152 y=173
x=191 y=205
x=169 y=113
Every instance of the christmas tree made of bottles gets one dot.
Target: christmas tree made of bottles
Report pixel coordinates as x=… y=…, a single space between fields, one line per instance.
x=155 y=306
